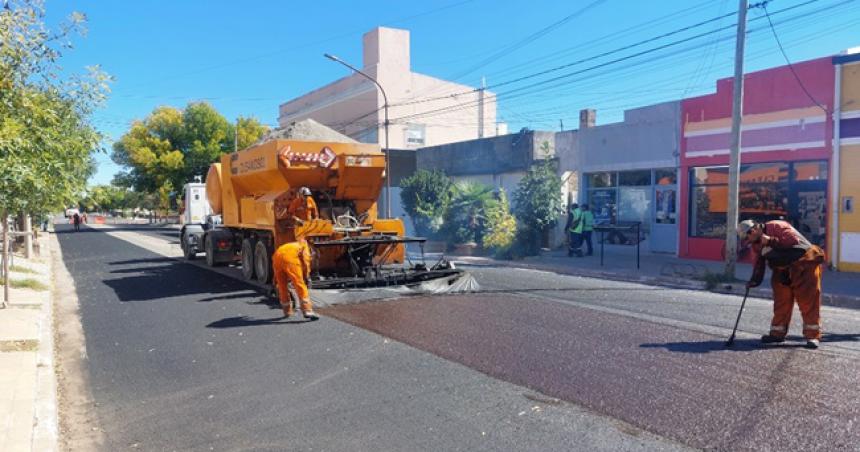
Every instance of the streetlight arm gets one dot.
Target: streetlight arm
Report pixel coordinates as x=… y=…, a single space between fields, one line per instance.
x=338 y=60
x=387 y=150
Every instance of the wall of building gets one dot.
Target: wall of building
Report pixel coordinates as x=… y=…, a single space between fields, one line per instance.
x=489 y=156
x=782 y=126
x=353 y=104
x=647 y=139
x=500 y=162
x=848 y=216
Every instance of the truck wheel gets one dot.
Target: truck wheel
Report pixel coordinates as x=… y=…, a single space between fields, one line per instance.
x=189 y=252
x=248 y=259
x=262 y=262
x=209 y=247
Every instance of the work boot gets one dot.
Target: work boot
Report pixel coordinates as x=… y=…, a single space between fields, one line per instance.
x=308 y=310
x=771 y=339
x=310 y=315
x=812 y=344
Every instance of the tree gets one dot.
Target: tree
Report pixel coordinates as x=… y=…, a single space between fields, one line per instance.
x=538 y=203
x=425 y=196
x=464 y=218
x=46 y=140
x=171 y=146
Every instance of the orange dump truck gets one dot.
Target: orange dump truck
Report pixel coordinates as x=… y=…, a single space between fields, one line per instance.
x=252 y=191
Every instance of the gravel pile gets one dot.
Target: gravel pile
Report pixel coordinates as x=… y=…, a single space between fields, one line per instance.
x=305 y=130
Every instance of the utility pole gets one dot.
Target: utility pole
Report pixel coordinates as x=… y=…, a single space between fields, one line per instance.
x=561 y=125
x=735 y=149
x=481 y=107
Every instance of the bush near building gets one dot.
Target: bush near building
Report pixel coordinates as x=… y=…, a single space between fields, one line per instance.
x=538 y=203
x=425 y=196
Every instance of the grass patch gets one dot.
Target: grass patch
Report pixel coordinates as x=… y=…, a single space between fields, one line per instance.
x=28 y=283
x=19 y=269
x=712 y=280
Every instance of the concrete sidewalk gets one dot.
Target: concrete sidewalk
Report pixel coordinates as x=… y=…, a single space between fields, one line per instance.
x=28 y=395
x=619 y=263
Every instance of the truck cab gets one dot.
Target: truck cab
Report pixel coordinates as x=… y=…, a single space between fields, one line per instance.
x=196 y=219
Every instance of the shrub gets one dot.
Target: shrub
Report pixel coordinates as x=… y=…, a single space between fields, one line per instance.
x=425 y=197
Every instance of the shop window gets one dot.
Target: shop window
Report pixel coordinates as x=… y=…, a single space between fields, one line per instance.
x=600 y=180
x=634 y=204
x=603 y=205
x=766 y=192
x=708 y=216
x=665 y=176
x=805 y=171
x=634 y=178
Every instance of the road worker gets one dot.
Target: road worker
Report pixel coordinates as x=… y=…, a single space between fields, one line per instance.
x=292 y=264
x=574 y=228
x=303 y=207
x=796 y=268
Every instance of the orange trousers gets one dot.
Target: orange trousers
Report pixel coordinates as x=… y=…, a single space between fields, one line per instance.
x=291 y=263
x=799 y=282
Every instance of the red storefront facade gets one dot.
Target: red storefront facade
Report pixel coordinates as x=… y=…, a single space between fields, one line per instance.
x=785 y=155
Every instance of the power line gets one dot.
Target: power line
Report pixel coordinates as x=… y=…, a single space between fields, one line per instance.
x=508 y=94
x=555 y=69
x=528 y=39
x=787 y=61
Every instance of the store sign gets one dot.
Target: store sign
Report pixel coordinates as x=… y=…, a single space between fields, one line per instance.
x=323 y=158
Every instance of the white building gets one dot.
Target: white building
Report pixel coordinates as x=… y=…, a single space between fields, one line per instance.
x=423 y=110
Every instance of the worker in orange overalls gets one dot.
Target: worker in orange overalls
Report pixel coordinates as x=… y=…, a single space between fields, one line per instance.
x=303 y=207
x=292 y=263
x=796 y=267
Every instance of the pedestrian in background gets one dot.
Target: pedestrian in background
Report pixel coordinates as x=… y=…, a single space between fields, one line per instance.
x=587 y=228
x=574 y=229
x=76 y=219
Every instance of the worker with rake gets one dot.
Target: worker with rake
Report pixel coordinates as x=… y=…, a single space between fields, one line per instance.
x=796 y=267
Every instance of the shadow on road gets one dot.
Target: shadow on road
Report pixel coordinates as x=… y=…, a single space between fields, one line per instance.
x=746 y=345
x=243 y=321
x=740 y=345
x=151 y=279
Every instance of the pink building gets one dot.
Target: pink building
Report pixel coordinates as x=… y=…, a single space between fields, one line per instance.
x=423 y=110
x=785 y=155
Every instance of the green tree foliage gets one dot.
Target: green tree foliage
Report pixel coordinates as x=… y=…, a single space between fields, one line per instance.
x=46 y=141
x=171 y=146
x=538 y=203
x=425 y=196
x=500 y=224
x=465 y=216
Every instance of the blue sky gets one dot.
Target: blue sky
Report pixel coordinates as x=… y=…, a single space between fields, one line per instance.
x=247 y=57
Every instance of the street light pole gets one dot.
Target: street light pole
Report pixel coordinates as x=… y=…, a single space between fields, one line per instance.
x=387 y=150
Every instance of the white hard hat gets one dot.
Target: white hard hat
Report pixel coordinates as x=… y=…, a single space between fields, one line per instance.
x=305 y=191
x=744 y=228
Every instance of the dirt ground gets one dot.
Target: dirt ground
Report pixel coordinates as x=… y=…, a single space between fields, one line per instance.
x=79 y=428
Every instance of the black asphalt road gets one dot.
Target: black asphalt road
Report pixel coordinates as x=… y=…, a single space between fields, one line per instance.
x=181 y=358
x=678 y=383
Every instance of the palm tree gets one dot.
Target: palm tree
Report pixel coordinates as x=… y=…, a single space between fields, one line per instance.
x=464 y=220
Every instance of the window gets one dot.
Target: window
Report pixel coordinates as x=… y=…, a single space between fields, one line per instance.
x=767 y=191
x=665 y=176
x=415 y=135
x=804 y=171
x=598 y=180
x=602 y=203
x=634 y=178
x=634 y=204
